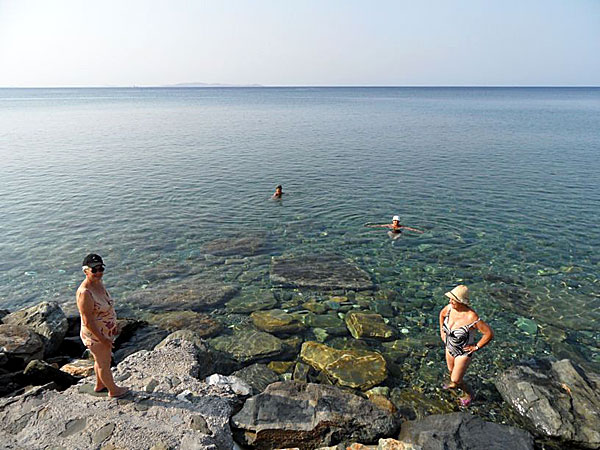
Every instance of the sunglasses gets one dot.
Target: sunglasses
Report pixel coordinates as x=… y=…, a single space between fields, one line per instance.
x=97 y=269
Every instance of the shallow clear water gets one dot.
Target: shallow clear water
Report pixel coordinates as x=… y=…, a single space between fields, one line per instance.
x=504 y=181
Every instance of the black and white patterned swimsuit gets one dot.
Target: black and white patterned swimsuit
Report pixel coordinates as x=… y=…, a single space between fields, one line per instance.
x=459 y=338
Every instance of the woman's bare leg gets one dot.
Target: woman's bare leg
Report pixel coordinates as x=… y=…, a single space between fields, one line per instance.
x=461 y=363
x=102 y=358
x=450 y=363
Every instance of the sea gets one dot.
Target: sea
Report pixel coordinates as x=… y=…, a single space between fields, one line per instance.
x=504 y=182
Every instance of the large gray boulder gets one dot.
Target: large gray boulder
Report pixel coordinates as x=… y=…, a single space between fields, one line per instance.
x=462 y=431
x=168 y=408
x=319 y=272
x=19 y=345
x=307 y=415
x=559 y=398
x=46 y=319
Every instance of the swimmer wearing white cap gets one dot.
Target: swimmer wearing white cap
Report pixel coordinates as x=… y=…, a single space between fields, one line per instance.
x=395 y=227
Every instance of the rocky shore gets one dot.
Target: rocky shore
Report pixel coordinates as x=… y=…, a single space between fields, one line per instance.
x=262 y=387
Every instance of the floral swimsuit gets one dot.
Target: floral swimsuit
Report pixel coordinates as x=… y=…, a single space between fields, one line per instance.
x=105 y=316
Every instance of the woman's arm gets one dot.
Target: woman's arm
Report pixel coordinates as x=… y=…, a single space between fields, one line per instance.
x=488 y=335
x=442 y=316
x=383 y=225
x=412 y=229
x=85 y=304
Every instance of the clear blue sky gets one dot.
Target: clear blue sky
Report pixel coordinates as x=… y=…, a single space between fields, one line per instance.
x=299 y=42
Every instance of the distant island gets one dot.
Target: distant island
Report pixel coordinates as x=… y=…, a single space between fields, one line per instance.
x=197 y=84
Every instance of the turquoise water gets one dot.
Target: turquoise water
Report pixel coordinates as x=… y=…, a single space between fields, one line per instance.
x=503 y=180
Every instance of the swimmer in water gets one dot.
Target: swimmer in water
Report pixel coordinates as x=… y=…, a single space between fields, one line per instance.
x=395 y=227
x=278 y=192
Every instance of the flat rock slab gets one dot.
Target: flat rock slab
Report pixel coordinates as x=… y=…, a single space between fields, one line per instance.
x=368 y=325
x=306 y=416
x=180 y=412
x=179 y=298
x=560 y=398
x=461 y=431
x=319 y=272
x=358 y=369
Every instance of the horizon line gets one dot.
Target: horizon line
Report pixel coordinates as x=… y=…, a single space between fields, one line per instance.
x=260 y=86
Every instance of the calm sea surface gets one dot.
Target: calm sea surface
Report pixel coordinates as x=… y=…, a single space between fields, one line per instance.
x=505 y=182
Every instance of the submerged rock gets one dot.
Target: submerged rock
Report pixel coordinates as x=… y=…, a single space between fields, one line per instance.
x=462 y=431
x=359 y=369
x=297 y=414
x=244 y=246
x=248 y=302
x=331 y=323
x=202 y=324
x=319 y=272
x=205 y=296
x=47 y=319
x=248 y=346
x=276 y=321
x=179 y=412
x=365 y=325
x=561 y=399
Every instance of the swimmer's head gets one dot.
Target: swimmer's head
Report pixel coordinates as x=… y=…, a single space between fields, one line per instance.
x=278 y=188
x=396 y=219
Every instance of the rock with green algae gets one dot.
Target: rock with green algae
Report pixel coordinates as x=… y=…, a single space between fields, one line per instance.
x=202 y=324
x=276 y=321
x=527 y=325
x=413 y=403
x=249 y=302
x=248 y=346
x=358 y=369
x=280 y=367
x=329 y=322
x=366 y=325
x=314 y=306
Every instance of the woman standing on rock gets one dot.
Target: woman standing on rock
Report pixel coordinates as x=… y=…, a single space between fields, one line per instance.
x=98 y=323
x=457 y=330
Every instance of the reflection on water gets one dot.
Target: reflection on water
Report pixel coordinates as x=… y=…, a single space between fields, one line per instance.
x=502 y=181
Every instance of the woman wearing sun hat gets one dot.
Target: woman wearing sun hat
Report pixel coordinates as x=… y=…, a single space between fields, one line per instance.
x=458 y=322
x=98 y=323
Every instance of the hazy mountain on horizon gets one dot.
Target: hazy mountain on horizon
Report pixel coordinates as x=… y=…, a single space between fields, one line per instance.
x=198 y=84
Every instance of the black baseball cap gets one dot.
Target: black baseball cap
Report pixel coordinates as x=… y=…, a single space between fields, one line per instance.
x=92 y=260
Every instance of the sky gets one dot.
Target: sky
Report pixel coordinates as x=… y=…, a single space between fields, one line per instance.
x=299 y=42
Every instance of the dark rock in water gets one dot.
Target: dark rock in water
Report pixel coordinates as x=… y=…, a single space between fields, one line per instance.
x=259 y=376
x=244 y=246
x=46 y=319
x=39 y=373
x=205 y=296
x=414 y=404
x=145 y=338
x=201 y=324
x=20 y=345
x=249 y=302
x=331 y=323
x=319 y=272
x=249 y=346
x=3 y=313
x=462 y=431
x=559 y=398
x=296 y=414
